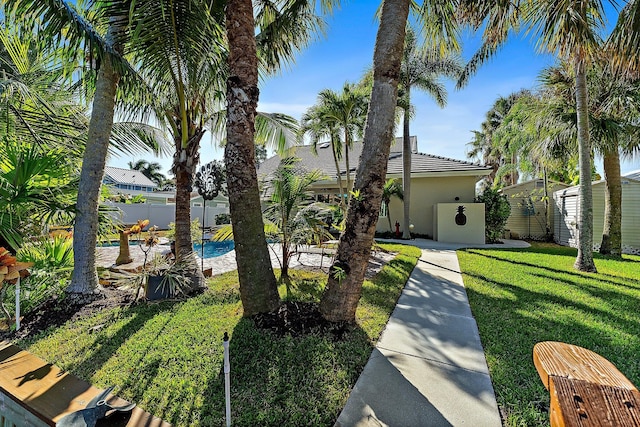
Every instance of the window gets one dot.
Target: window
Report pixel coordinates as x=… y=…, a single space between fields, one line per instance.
x=197 y=205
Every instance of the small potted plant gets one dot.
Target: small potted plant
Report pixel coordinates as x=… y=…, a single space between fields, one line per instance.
x=168 y=279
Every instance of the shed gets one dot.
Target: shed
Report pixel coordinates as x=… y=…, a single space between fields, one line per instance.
x=528 y=210
x=566 y=213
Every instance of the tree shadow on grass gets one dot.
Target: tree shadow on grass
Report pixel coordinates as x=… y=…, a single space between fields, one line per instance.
x=283 y=380
x=106 y=344
x=576 y=273
x=510 y=327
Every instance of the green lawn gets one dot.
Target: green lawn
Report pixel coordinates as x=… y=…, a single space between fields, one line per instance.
x=167 y=357
x=520 y=297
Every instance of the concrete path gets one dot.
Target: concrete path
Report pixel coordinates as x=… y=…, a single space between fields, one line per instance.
x=428 y=368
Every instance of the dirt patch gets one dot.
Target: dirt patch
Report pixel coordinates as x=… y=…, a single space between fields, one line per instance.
x=56 y=312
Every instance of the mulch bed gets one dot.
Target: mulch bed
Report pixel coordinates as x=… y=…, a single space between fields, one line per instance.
x=299 y=318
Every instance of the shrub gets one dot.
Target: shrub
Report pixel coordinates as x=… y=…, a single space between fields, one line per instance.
x=223 y=218
x=497 y=211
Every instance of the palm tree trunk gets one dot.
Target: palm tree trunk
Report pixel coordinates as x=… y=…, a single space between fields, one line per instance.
x=185 y=161
x=346 y=162
x=258 y=287
x=547 y=205
x=612 y=232
x=406 y=172
x=584 y=260
x=84 y=279
x=344 y=285
x=339 y=175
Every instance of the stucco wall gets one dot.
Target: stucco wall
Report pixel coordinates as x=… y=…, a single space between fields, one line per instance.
x=452 y=225
x=425 y=193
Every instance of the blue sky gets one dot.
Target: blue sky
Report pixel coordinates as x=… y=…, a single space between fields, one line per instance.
x=347 y=51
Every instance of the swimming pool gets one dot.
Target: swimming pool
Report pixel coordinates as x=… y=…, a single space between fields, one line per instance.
x=211 y=249
x=214 y=249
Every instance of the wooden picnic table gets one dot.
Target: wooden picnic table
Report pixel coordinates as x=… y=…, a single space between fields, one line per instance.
x=36 y=393
x=585 y=388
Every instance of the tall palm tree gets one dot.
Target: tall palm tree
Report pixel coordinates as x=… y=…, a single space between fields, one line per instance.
x=420 y=69
x=572 y=30
x=346 y=110
x=280 y=35
x=58 y=18
x=342 y=293
x=316 y=123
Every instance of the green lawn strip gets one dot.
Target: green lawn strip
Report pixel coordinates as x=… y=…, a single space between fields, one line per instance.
x=167 y=357
x=521 y=297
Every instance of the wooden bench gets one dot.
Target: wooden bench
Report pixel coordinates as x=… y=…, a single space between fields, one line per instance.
x=585 y=388
x=36 y=393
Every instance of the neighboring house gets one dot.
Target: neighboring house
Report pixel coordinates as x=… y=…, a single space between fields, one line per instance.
x=132 y=183
x=567 y=206
x=528 y=211
x=436 y=182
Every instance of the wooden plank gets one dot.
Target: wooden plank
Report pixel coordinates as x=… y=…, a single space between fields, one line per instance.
x=50 y=393
x=577 y=403
x=570 y=361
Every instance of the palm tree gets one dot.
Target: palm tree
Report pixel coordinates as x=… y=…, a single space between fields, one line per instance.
x=572 y=30
x=63 y=26
x=420 y=69
x=346 y=110
x=344 y=286
x=291 y=216
x=277 y=40
x=318 y=126
x=342 y=293
x=58 y=18
x=149 y=169
x=392 y=188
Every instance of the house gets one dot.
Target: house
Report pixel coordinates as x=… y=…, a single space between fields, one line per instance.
x=528 y=218
x=132 y=183
x=439 y=186
x=567 y=214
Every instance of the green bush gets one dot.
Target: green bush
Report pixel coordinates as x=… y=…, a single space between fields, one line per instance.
x=497 y=211
x=223 y=218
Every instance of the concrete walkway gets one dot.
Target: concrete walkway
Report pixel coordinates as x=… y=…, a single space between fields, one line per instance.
x=428 y=368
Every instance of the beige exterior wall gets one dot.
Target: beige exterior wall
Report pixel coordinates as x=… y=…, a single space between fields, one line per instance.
x=470 y=229
x=529 y=220
x=426 y=192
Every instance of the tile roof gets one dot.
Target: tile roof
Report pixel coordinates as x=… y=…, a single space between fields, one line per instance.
x=421 y=164
x=127 y=176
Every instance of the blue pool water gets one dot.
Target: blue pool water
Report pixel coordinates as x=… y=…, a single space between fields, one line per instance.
x=214 y=249
x=211 y=249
